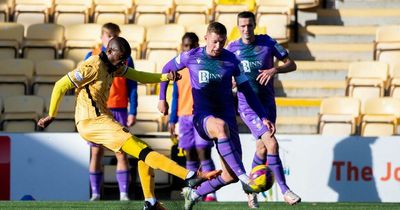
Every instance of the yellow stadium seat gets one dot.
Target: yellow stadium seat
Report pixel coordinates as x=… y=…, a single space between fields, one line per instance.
x=161 y=57
x=11 y=36
x=380 y=116
x=5 y=7
x=307 y=4
x=339 y=116
x=394 y=88
x=135 y=41
x=15 y=76
x=28 y=12
x=192 y=12
x=69 y=12
x=149 y=119
x=147 y=66
x=367 y=79
x=153 y=12
x=115 y=11
x=387 y=41
x=47 y=73
x=80 y=39
x=65 y=121
x=200 y=30
x=43 y=41
x=21 y=113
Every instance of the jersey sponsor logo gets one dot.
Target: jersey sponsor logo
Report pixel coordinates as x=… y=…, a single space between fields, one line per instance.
x=78 y=76
x=205 y=77
x=280 y=49
x=247 y=66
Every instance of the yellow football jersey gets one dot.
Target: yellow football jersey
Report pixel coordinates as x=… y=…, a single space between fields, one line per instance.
x=92 y=82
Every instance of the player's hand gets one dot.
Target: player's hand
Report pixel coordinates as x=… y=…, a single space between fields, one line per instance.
x=163 y=107
x=265 y=75
x=45 y=121
x=171 y=129
x=174 y=76
x=131 y=120
x=271 y=126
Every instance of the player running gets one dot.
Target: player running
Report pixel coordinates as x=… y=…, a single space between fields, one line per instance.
x=211 y=70
x=256 y=54
x=198 y=150
x=94 y=121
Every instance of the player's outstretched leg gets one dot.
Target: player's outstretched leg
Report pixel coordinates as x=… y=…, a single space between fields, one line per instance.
x=155 y=160
x=275 y=164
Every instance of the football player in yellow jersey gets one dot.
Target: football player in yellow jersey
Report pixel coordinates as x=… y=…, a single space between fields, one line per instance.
x=94 y=121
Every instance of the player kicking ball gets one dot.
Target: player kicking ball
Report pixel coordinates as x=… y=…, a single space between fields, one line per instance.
x=95 y=122
x=211 y=70
x=256 y=54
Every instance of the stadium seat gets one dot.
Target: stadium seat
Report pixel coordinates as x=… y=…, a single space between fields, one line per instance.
x=47 y=73
x=115 y=11
x=380 y=116
x=153 y=12
x=69 y=12
x=307 y=4
x=15 y=76
x=43 y=41
x=147 y=66
x=276 y=17
x=135 y=34
x=65 y=121
x=5 y=7
x=394 y=87
x=161 y=57
x=192 y=12
x=200 y=30
x=28 y=12
x=367 y=79
x=80 y=39
x=21 y=113
x=149 y=119
x=11 y=36
x=387 y=41
x=339 y=116
x=226 y=12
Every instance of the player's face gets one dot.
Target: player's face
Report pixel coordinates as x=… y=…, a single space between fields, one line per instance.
x=246 y=28
x=187 y=44
x=114 y=54
x=215 y=43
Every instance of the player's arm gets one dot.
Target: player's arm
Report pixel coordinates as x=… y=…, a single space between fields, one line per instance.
x=173 y=65
x=173 y=117
x=244 y=87
x=133 y=102
x=146 y=77
x=59 y=90
x=288 y=65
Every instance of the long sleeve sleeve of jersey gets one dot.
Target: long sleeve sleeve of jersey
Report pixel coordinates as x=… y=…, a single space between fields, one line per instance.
x=173 y=117
x=59 y=90
x=143 y=77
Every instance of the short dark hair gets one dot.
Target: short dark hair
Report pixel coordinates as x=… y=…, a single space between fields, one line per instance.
x=216 y=27
x=112 y=28
x=123 y=46
x=246 y=14
x=191 y=36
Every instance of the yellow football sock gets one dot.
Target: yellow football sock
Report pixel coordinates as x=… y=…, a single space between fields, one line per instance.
x=146 y=175
x=139 y=149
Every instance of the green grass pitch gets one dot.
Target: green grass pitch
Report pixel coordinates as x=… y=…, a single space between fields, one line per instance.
x=178 y=205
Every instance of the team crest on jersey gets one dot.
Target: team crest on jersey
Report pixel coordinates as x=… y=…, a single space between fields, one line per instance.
x=78 y=76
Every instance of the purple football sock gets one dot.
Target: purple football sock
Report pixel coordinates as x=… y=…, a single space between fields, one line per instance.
x=227 y=151
x=257 y=161
x=192 y=165
x=96 y=178
x=123 y=180
x=207 y=165
x=275 y=164
x=210 y=186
